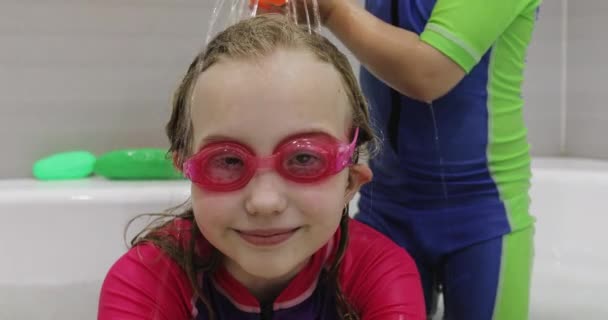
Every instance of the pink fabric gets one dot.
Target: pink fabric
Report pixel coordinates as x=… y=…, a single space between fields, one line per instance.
x=379 y=278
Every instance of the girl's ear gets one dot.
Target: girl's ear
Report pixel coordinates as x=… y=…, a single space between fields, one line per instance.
x=359 y=174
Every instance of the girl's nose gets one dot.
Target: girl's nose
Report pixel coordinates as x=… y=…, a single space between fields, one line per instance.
x=266 y=194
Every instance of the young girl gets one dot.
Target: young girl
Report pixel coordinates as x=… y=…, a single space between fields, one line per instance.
x=268 y=124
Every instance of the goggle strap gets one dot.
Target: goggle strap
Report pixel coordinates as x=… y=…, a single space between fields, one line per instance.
x=345 y=154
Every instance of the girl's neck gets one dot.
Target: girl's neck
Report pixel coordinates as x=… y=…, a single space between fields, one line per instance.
x=263 y=289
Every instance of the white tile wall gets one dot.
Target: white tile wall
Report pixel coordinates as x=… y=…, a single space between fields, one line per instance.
x=99 y=74
x=543 y=79
x=94 y=75
x=587 y=117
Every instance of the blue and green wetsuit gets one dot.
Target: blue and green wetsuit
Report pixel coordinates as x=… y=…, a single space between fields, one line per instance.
x=451 y=181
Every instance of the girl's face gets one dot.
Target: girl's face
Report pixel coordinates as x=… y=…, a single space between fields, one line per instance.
x=270 y=227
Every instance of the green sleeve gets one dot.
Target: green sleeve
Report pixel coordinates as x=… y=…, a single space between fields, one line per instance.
x=464 y=30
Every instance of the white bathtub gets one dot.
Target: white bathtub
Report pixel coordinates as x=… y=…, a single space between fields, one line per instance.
x=58 y=239
x=571 y=266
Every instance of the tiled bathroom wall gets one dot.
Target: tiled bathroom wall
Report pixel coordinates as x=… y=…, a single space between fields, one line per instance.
x=587 y=79
x=543 y=86
x=98 y=75
x=93 y=75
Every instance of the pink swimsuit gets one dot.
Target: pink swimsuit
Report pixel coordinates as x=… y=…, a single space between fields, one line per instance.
x=377 y=277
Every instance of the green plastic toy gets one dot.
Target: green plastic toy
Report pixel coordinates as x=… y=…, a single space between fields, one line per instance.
x=136 y=164
x=65 y=166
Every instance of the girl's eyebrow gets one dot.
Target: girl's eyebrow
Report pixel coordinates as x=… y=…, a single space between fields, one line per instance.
x=216 y=138
x=225 y=138
x=302 y=133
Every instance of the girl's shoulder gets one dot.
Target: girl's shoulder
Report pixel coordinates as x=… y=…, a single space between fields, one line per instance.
x=365 y=242
x=145 y=281
x=380 y=278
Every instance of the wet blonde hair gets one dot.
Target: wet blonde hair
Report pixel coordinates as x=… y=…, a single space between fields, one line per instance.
x=250 y=39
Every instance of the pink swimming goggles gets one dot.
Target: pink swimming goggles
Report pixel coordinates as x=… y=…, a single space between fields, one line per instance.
x=228 y=166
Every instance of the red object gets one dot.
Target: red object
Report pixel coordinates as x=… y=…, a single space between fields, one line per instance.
x=268 y=4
